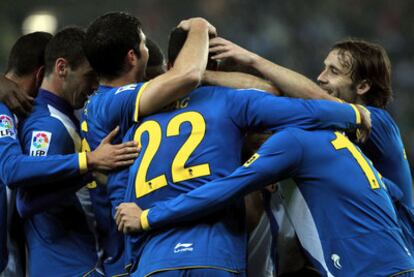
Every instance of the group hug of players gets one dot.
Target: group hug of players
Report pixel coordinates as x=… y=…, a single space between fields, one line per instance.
x=148 y=178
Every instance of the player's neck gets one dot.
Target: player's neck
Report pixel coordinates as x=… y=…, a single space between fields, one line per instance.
x=50 y=84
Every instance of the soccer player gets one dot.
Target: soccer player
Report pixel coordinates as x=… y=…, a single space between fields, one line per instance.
x=116 y=48
x=156 y=64
x=194 y=141
x=58 y=237
x=23 y=76
x=350 y=218
x=356 y=71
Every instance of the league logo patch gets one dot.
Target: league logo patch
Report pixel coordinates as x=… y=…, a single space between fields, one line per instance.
x=6 y=127
x=40 y=143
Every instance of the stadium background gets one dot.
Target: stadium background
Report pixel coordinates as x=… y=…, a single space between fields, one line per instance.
x=296 y=34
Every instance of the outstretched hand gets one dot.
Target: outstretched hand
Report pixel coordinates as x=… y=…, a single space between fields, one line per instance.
x=109 y=157
x=221 y=48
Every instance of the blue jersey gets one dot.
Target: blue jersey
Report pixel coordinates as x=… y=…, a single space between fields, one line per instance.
x=386 y=150
x=199 y=140
x=18 y=170
x=108 y=108
x=58 y=238
x=349 y=226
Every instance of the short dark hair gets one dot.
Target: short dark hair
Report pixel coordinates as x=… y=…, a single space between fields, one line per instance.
x=178 y=36
x=28 y=53
x=67 y=44
x=369 y=62
x=108 y=40
x=156 y=56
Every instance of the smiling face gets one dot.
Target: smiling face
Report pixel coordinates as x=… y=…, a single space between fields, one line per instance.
x=78 y=84
x=336 y=76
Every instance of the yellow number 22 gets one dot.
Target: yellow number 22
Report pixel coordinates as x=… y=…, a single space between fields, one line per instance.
x=178 y=170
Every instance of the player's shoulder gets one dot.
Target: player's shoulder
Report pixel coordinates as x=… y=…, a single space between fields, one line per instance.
x=381 y=118
x=7 y=122
x=5 y=110
x=44 y=120
x=230 y=93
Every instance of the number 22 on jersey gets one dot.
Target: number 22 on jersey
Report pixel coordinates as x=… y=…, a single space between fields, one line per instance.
x=178 y=170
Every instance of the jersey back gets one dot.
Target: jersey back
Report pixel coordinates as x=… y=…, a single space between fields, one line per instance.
x=107 y=108
x=386 y=150
x=345 y=208
x=199 y=140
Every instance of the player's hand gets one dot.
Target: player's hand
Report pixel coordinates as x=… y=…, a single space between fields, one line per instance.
x=14 y=98
x=108 y=156
x=364 y=130
x=221 y=48
x=187 y=24
x=128 y=218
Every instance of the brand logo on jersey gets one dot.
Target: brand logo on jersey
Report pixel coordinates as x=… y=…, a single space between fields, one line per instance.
x=407 y=251
x=6 y=127
x=183 y=247
x=251 y=160
x=127 y=87
x=40 y=143
x=336 y=261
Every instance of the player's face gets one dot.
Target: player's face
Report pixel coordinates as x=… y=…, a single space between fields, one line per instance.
x=79 y=83
x=336 y=76
x=143 y=59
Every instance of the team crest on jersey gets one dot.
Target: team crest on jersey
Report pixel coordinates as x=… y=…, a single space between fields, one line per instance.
x=127 y=87
x=7 y=128
x=40 y=143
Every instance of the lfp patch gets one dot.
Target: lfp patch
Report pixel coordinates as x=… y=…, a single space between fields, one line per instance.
x=40 y=143
x=7 y=128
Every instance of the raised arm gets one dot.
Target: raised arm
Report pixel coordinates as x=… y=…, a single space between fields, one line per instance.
x=187 y=72
x=239 y=80
x=289 y=82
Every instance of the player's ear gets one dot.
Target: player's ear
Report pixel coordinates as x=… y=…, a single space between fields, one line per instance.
x=363 y=87
x=131 y=57
x=61 y=67
x=40 y=73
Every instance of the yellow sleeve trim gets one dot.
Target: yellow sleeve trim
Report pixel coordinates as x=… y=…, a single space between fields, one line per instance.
x=137 y=100
x=83 y=162
x=144 y=220
x=357 y=114
x=84 y=126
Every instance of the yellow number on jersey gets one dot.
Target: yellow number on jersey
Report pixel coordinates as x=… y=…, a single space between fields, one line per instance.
x=178 y=170
x=86 y=148
x=342 y=142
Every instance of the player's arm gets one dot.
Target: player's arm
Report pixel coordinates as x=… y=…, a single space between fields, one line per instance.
x=185 y=75
x=19 y=170
x=256 y=109
x=288 y=81
x=239 y=80
x=276 y=160
x=14 y=98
